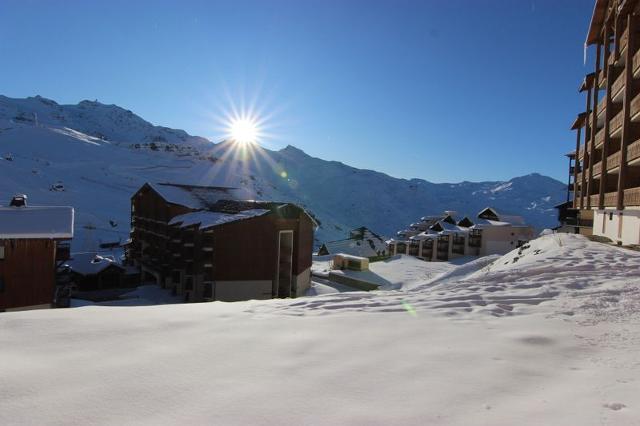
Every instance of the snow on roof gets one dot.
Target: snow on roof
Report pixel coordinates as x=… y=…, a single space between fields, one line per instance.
x=90 y=263
x=486 y=223
x=192 y=196
x=36 y=222
x=424 y=236
x=510 y=219
x=209 y=219
x=355 y=247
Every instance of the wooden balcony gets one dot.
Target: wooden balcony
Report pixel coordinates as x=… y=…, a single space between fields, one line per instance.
x=602 y=106
x=613 y=161
x=636 y=62
x=597 y=168
x=634 y=109
x=610 y=199
x=579 y=178
x=633 y=151
x=622 y=43
x=631 y=197
x=594 y=200
x=599 y=140
x=616 y=123
x=617 y=86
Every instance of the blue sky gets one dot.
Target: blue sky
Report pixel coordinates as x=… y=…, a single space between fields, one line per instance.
x=442 y=90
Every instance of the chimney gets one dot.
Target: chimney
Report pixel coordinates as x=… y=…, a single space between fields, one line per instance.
x=19 y=200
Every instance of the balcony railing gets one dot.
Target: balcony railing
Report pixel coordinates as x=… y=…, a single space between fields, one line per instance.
x=616 y=123
x=597 y=168
x=613 y=161
x=602 y=105
x=610 y=199
x=631 y=197
x=595 y=199
x=618 y=85
x=599 y=138
x=633 y=151
x=636 y=61
x=624 y=38
x=634 y=106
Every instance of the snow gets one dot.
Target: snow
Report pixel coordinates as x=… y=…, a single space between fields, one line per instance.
x=208 y=219
x=36 y=222
x=193 y=197
x=551 y=338
x=89 y=263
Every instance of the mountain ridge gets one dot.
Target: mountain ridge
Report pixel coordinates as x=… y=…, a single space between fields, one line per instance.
x=94 y=148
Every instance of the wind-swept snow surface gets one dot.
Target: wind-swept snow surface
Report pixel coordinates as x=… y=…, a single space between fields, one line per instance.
x=549 y=338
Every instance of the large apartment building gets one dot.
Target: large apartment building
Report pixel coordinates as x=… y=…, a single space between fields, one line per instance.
x=606 y=173
x=205 y=244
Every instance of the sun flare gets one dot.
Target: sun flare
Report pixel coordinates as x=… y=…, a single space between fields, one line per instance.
x=244 y=131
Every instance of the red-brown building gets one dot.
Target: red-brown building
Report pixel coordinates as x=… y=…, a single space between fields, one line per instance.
x=32 y=242
x=207 y=245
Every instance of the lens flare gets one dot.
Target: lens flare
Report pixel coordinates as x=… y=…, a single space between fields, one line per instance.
x=244 y=131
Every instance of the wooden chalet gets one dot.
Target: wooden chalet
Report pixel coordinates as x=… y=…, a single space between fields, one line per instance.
x=207 y=245
x=605 y=166
x=34 y=240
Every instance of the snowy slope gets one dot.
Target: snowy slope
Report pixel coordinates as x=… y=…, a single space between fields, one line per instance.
x=550 y=338
x=101 y=154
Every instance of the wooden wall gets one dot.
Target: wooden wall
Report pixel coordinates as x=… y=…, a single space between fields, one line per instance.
x=28 y=272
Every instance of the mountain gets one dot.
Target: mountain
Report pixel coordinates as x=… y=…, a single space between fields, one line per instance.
x=94 y=156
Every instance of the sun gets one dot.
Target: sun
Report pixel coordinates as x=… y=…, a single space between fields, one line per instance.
x=244 y=131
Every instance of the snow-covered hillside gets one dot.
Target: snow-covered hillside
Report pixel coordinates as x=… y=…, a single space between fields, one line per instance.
x=546 y=335
x=94 y=156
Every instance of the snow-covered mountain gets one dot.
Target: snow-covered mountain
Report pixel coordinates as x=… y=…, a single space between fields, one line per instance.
x=94 y=156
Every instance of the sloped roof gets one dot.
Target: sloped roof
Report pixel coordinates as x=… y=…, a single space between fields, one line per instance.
x=597 y=20
x=208 y=219
x=35 y=222
x=353 y=247
x=90 y=263
x=193 y=196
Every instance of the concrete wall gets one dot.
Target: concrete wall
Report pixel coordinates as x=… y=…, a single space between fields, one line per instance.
x=503 y=239
x=303 y=282
x=234 y=291
x=619 y=225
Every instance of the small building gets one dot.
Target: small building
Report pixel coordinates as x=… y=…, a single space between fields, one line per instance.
x=362 y=242
x=346 y=261
x=34 y=240
x=90 y=271
x=206 y=244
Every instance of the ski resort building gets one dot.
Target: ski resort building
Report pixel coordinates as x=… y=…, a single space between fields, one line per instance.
x=206 y=245
x=606 y=174
x=445 y=238
x=91 y=271
x=362 y=242
x=34 y=240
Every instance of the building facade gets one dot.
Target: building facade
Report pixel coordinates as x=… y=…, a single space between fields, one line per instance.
x=606 y=173
x=206 y=245
x=33 y=242
x=443 y=237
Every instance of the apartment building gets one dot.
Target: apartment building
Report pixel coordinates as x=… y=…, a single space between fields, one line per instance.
x=606 y=172
x=205 y=244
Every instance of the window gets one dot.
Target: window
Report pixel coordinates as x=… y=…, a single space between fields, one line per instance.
x=1 y=285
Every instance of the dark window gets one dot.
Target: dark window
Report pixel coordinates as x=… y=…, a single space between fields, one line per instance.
x=208 y=290
x=188 y=284
x=1 y=285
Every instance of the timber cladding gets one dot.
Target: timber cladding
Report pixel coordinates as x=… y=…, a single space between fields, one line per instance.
x=27 y=272
x=248 y=249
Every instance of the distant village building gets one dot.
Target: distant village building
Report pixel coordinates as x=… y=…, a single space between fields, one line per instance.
x=206 y=245
x=34 y=240
x=443 y=238
x=362 y=242
x=90 y=271
x=606 y=162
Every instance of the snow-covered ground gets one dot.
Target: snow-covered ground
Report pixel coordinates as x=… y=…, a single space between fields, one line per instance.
x=549 y=334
